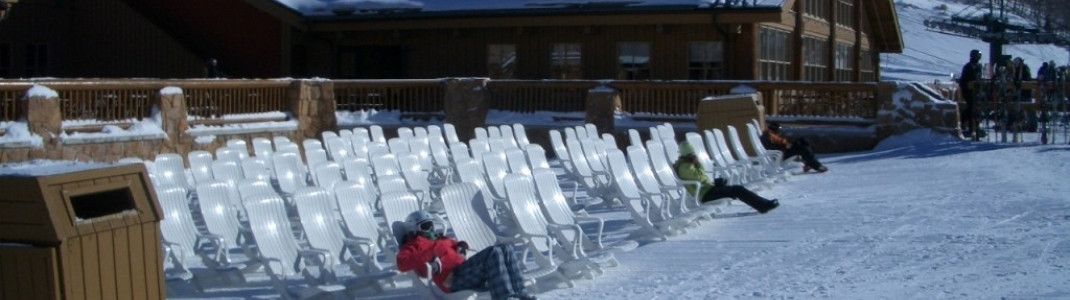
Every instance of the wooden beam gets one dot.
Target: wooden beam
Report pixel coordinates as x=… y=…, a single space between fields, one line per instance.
x=546 y=21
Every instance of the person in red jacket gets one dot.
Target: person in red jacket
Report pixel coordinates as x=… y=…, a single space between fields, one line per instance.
x=772 y=140
x=495 y=268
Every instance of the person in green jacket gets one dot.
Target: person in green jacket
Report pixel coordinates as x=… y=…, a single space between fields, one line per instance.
x=687 y=167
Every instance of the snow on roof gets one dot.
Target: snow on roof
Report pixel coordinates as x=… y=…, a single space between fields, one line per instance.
x=328 y=7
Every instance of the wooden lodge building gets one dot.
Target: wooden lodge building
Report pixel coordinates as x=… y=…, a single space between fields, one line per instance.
x=807 y=40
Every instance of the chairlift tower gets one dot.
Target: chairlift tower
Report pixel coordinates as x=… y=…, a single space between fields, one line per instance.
x=996 y=31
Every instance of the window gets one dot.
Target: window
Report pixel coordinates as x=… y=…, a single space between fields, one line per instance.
x=816 y=8
x=501 y=61
x=5 y=60
x=845 y=62
x=867 y=66
x=36 y=60
x=845 y=15
x=815 y=59
x=775 y=56
x=633 y=60
x=565 y=61
x=705 y=60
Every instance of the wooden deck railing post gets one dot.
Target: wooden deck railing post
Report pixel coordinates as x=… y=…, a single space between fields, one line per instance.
x=466 y=105
x=312 y=103
x=174 y=120
x=44 y=119
x=602 y=103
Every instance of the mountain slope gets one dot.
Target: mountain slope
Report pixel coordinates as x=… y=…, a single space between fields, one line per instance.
x=930 y=55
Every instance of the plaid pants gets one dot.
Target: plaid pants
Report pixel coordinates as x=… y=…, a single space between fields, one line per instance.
x=495 y=268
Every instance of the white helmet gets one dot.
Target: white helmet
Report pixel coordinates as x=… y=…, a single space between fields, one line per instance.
x=415 y=218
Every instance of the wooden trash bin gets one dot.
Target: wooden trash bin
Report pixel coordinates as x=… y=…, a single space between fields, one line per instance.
x=88 y=234
x=736 y=110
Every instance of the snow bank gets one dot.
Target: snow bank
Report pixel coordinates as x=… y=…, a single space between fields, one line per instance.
x=18 y=135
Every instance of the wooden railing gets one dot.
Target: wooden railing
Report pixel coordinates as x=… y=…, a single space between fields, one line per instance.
x=412 y=96
x=128 y=99
x=807 y=99
x=213 y=99
x=780 y=98
x=10 y=100
x=104 y=102
x=529 y=96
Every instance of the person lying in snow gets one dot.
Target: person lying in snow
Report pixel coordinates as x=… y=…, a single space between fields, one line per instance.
x=687 y=167
x=772 y=140
x=495 y=268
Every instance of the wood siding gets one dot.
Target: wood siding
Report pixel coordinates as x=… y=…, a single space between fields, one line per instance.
x=462 y=52
x=101 y=38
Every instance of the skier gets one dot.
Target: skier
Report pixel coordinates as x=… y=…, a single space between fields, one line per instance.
x=688 y=168
x=772 y=140
x=495 y=268
x=971 y=72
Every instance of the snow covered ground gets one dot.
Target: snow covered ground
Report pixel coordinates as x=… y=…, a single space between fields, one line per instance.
x=922 y=216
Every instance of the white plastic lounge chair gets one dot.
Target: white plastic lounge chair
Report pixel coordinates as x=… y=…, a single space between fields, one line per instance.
x=282 y=257
x=676 y=195
x=541 y=236
x=377 y=134
x=255 y=167
x=646 y=210
x=324 y=232
x=200 y=165
x=221 y=219
x=557 y=211
x=171 y=170
x=463 y=203
x=451 y=133
x=289 y=172
x=521 y=135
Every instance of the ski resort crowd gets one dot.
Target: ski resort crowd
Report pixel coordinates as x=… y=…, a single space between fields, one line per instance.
x=984 y=82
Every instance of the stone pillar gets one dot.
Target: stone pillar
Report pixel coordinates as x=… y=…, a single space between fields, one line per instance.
x=886 y=113
x=312 y=103
x=602 y=104
x=41 y=110
x=904 y=108
x=466 y=105
x=174 y=121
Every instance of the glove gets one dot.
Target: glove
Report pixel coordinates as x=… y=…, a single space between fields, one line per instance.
x=720 y=182
x=462 y=248
x=436 y=265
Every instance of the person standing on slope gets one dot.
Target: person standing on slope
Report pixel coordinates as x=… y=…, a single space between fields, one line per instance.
x=971 y=72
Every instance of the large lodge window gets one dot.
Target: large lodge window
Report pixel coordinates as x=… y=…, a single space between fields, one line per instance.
x=867 y=67
x=775 y=54
x=816 y=59
x=633 y=60
x=845 y=15
x=705 y=60
x=845 y=62
x=36 y=60
x=816 y=8
x=501 y=61
x=565 y=61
